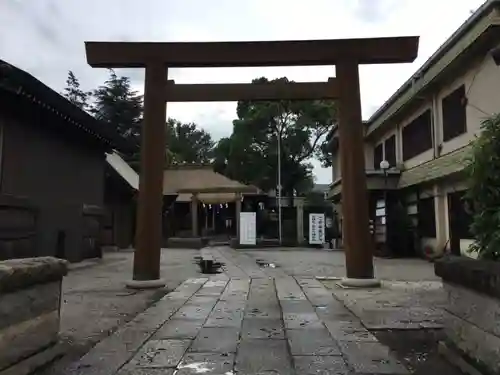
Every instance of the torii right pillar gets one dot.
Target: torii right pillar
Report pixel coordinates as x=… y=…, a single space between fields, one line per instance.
x=357 y=240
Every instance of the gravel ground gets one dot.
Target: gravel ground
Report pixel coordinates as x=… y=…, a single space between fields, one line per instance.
x=312 y=262
x=95 y=300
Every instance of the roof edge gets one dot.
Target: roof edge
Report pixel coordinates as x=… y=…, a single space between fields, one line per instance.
x=476 y=17
x=24 y=84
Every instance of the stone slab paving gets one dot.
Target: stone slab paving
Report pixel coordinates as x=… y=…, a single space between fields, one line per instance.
x=396 y=305
x=95 y=300
x=245 y=326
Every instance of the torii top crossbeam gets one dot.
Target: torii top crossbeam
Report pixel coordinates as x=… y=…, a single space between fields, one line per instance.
x=242 y=54
x=345 y=54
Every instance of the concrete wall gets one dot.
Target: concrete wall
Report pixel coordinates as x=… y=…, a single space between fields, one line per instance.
x=471 y=324
x=58 y=175
x=481 y=85
x=30 y=300
x=336 y=169
x=368 y=156
x=481 y=81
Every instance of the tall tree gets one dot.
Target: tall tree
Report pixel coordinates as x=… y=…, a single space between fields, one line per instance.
x=251 y=153
x=119 y=106
x=189 y=143
x=74 y=93
x=185 y=142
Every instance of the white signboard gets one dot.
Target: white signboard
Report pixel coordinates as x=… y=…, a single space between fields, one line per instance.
x=316 y=229
x=248 y=228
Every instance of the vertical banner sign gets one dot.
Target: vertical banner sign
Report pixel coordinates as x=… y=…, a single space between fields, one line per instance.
x=316 y=229
x=248 y=228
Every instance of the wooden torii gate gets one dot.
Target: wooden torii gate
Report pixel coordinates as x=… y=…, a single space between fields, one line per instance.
x=345 y=54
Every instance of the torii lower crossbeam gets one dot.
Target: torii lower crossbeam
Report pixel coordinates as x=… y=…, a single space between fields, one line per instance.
x=345 y=54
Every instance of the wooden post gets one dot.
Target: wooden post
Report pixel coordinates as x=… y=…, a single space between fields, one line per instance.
x=213 y=218
x=299 y=207
x=150 y=202
x=237 y=211
x=194 y=215
x=356 y=235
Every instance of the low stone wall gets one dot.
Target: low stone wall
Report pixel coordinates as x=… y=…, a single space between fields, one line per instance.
x=472 y=313
x=30 y=294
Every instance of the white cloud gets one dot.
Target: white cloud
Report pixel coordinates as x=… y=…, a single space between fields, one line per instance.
x=46 y=37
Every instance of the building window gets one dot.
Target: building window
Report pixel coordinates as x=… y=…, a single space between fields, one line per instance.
x=417 y=136
x=390 y=150
x=426 y=218
x=454 y=116
x=378 y=155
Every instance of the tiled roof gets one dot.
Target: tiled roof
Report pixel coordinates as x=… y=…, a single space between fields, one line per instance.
x=22 y=85
x=446 y=165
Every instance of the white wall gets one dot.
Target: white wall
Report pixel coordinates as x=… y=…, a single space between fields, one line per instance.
x=482 y=86
x=336 y=170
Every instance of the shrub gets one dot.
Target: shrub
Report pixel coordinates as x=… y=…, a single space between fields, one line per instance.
x=484 y=189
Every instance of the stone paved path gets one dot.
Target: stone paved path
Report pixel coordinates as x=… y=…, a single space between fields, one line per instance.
x=246 y=321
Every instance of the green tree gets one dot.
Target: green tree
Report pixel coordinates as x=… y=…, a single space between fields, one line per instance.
x=189 y=143
x=325 y=153
x=484 y=189
x=185 y=142
x=116 y=104
x=74 y=93
x=250 y=154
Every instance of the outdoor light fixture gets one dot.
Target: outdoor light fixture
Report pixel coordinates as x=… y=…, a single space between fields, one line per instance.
x=384 y=165
x=495 y=53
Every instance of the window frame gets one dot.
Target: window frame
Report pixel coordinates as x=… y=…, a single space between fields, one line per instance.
x=454 y=113
x=393 y=162
x=417 y=134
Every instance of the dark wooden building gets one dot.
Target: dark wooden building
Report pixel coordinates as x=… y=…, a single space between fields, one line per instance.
x=52 y=171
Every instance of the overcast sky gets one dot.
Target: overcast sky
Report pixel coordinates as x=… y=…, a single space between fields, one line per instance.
x=46 y=38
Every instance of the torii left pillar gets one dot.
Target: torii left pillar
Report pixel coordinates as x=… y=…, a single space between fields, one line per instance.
x=149 y=214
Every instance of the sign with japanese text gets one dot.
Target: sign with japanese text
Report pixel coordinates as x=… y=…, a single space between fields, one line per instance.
x=248 y=228
x=316 y=229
